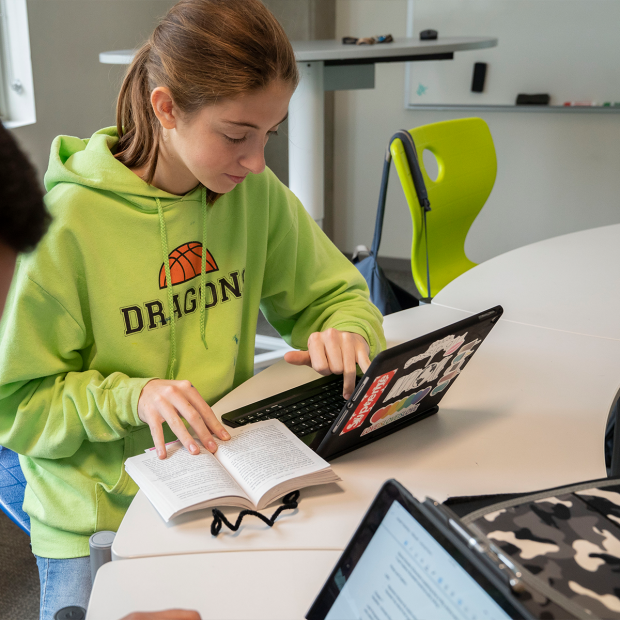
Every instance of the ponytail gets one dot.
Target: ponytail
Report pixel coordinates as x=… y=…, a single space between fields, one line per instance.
x=202 y=51
x=137 y=126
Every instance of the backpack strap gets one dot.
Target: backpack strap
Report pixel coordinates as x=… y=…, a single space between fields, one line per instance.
x=420 y=188
x=376 y=240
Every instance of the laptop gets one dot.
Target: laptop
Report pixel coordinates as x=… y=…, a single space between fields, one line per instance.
x=403 y=385
x=411 y=559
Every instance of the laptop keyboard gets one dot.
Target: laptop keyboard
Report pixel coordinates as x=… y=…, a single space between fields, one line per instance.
x=306 y=415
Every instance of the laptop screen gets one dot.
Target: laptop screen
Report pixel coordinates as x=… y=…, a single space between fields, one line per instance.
x=405 y=573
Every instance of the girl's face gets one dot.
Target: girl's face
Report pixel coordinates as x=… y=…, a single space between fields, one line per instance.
x=220 y=144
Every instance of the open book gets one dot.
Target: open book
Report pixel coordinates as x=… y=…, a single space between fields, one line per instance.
x=261 y=463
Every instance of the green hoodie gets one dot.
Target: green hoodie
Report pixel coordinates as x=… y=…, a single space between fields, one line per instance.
x=87 y=325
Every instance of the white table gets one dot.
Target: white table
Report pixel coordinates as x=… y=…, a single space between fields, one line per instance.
x=330 y=65
x=528 y=412
x=332 y=51
x=529 y=401
x=275 y=585
x=570 y=283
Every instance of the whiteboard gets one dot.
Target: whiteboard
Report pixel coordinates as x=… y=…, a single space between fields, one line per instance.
x=569 y=49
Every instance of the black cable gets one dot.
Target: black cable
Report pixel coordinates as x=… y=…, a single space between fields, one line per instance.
x=289 y=502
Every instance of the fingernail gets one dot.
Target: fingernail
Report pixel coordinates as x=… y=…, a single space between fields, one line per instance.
x=212 y=446
x=161 y=453
x=224 y=434
x=346 y=396
x=193 y=448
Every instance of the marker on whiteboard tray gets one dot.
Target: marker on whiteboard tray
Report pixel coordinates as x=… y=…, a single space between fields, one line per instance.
x=611 y=104
x=580 y=104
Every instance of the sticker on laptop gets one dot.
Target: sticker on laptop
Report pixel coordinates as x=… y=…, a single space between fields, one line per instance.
x=370 y=399
x=455 y=355
x=418 y=377
x=454 y=370
x=396 y=411
x=448 y=345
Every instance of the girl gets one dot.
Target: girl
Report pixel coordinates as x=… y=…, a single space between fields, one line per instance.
x=140 y=305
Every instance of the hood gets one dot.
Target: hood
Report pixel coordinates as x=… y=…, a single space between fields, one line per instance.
x=90 y=162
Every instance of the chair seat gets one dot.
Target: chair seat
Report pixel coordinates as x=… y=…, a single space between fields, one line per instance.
x=12 y=488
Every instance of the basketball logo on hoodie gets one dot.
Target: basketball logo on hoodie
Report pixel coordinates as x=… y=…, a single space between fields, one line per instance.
x=185 y=264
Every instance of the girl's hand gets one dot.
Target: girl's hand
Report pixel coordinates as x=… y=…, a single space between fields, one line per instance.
x=167 y=401
x=333 y=351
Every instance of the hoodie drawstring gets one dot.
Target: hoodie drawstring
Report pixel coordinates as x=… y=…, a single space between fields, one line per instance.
x=203 y=271
x=172 y=358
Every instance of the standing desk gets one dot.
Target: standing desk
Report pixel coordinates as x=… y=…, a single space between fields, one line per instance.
x=570 y=283
x=527 y=403
x=329 y=65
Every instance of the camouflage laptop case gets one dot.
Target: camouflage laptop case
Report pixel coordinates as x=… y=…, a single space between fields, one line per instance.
x=568 y=538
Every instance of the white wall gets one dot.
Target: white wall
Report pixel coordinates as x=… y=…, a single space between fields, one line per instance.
x=74 y=93
x=557 y=173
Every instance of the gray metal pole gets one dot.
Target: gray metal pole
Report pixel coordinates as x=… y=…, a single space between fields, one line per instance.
x=100 y=544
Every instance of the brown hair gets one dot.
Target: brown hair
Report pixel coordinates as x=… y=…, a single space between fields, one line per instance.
x=203 y=51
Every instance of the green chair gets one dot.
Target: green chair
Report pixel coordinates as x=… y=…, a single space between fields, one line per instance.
x=467 y=168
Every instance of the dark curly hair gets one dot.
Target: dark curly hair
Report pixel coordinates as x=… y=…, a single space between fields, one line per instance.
x=23 y=216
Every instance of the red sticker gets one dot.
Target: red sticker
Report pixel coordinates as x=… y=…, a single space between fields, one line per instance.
x=368 y=402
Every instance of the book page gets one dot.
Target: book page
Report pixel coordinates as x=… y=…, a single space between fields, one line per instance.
x=183 y=479
x=262 y=455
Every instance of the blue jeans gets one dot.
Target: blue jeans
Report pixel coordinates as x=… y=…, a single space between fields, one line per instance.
x=63 y=583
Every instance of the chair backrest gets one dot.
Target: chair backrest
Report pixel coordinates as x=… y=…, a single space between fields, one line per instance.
x=467 y=168
x=12 y=488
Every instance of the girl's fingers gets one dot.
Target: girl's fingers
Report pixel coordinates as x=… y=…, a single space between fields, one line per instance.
x=157 y=432
x=188 y=411
x=298 y=358
x=350 y=371
x=316 y=349
x=362 y=358
x=170 y=414
x=162 y=400
x=334 y=351
x=206 y=413
x=333 y=344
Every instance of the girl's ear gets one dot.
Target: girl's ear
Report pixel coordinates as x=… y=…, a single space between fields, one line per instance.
x=163 y=106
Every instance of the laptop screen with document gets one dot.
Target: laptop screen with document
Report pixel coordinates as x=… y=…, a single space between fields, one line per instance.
x=405 y=562
x=405 y=573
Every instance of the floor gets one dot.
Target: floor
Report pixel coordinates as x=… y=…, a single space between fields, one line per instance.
x=19 y=579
